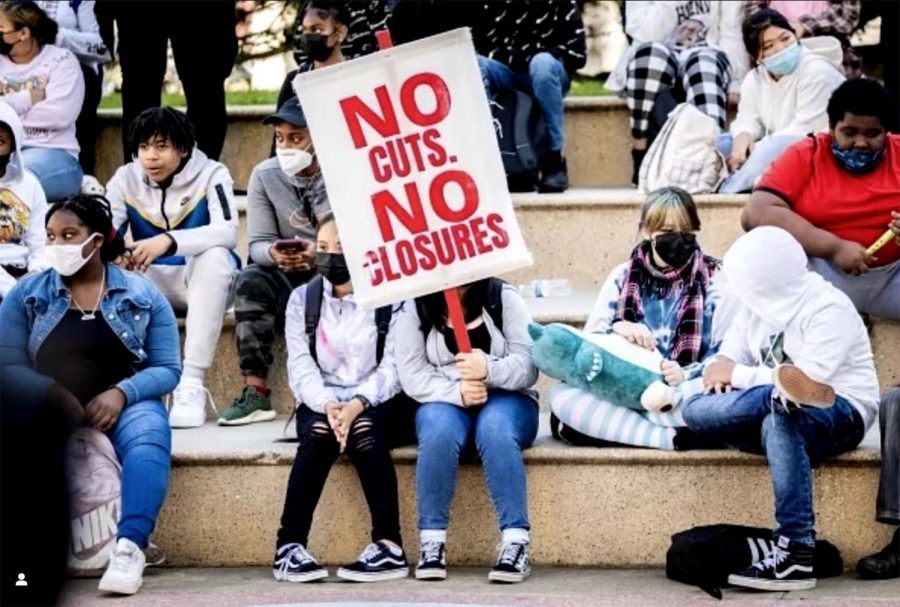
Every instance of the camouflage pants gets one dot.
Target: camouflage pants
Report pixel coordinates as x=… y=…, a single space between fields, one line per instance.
x=260 y=296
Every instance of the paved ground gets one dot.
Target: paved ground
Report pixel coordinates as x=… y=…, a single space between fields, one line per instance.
x=254 y=587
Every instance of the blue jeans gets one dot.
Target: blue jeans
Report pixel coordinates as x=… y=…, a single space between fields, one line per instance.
x=546 y=81
x=791 y=441
x=57 y=170
x=142 y=439
x=764 y=152
x=502 y=427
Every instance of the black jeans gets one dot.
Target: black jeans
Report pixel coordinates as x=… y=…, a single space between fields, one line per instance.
x=888 y=507
x=86 y=124
x=204 y=46
x=368 y=449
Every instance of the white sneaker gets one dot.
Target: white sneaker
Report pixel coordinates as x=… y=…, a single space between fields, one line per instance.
x=189 y=404
x=125 y=572
x=92 y=185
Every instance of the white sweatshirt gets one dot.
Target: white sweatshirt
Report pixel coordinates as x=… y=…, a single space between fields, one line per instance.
x=795 y=104
x=790 y=314
x=49 y=123
x=22 y=210
x=656 y=20
x=79 y=31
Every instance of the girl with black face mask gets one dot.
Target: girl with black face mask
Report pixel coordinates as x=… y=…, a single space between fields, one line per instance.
x=348 y=400
x=663 y=298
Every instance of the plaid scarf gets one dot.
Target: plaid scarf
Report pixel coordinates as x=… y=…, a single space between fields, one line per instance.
x=642 y=277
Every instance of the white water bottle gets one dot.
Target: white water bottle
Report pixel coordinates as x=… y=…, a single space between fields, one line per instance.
x=547 y=287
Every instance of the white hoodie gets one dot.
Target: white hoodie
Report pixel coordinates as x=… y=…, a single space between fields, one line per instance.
x=795 y=104
x=49 y=123
x=22 y=210
x=790 y=314
x=197 y=209
x=78 y=30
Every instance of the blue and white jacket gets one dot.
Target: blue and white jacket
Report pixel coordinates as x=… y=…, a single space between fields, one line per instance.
x=197 y=209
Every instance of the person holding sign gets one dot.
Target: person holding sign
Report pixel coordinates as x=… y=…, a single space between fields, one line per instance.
x=343 y=374
x=285 y=199
x=838 y=194
x=483 y=397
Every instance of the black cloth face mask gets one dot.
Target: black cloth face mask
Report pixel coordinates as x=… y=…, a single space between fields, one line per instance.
x=333 y=266
x=316 y=46
x=675 y=248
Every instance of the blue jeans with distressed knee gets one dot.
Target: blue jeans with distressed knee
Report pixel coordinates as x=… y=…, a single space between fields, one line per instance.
x=500 y=429
x=792 y=441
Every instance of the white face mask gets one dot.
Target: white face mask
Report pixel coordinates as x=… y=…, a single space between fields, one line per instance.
x=292 y=160
x=66 y=258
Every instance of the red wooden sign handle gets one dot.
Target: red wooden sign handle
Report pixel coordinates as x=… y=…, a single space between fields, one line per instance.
x=454 y=308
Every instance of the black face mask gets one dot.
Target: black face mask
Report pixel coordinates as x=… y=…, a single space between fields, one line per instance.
x=675 y=248
x=4 y=162
x=333 y=266
x=316 y=46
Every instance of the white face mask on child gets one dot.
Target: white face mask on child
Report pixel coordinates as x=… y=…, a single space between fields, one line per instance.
x=67 y=258
x=292 y=160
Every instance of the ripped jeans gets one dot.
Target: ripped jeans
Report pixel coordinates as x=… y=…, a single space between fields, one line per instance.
x=367 y=448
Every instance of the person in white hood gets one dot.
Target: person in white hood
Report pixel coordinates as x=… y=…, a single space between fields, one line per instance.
x=794 y=381
x=782 y=99
x=22 y=207
x=179 y=206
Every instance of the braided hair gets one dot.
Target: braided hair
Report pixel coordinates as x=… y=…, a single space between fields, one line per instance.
x=95 y=212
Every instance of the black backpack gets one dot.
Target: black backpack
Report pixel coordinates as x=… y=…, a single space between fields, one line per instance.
x=521 y=134
x=705 y=556
x=493 y=305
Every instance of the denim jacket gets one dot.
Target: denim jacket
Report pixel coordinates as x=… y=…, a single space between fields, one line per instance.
x=134 y=309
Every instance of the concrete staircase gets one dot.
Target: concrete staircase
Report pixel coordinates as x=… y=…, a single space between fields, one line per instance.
x=609 y=507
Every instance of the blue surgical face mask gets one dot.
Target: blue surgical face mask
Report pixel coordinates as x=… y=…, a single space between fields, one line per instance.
x=784 y=61
x=856 y=161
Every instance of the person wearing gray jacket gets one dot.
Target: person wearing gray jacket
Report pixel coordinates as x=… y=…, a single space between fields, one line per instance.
x=486 y=397
x=286 y=198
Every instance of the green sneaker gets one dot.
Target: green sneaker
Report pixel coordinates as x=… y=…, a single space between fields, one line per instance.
x=249 y=407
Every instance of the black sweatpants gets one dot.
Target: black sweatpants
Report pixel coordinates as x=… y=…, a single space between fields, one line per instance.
x=204 y=46
x=86 y=124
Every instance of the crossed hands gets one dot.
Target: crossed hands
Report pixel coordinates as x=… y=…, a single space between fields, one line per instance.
x=341 y=416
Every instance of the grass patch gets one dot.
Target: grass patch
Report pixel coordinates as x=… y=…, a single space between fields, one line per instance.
x=258 y=97
x=586 y=87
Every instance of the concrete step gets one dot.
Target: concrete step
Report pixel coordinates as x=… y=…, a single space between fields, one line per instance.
x=589 y=507
x=596 y=130
x=582 y=234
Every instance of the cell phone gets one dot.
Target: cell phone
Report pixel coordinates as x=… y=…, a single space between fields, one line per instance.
x=292 y=245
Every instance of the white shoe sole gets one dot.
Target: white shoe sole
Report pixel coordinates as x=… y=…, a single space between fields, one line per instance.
x=381 y=576
x=771 y=585
x=506 y=577
x=119 y=586
x=256 y=416
x=431 y=574
x=299 y=578
x=184 y=424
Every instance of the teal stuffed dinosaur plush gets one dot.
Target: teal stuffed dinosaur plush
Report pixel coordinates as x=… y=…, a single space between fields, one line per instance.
x=606 y=366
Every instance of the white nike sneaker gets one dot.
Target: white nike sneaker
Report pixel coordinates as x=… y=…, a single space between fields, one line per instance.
x=91 y=185
x=125 y=573
x=189 y=404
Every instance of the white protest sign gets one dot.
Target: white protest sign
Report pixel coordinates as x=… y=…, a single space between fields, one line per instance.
x=406 y=143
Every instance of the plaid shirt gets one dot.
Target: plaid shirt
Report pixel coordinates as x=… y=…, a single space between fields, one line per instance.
x=841 y=18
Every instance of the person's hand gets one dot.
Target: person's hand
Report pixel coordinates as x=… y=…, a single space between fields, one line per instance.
x=38 y=94
x=473 y=392
x=717 y=375
x=799 y=28
x=125 y=260
x=734 y=99
x=672 y=372
x=345 y=418
x=66 y=403
x=145 y=251
x=332 y=412
x=635 y=332
x=741 y=149
x=292 y=261
x=895 y=226
x=472 y=365
x=852 y=258
x=103 y=410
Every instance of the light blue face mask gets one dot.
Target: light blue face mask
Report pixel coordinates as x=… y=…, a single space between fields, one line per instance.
x=784 y=61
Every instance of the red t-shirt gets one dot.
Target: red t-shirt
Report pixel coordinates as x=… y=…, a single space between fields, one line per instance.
x=855 y=207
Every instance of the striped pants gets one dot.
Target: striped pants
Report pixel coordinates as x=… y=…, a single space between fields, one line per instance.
x=704 y=74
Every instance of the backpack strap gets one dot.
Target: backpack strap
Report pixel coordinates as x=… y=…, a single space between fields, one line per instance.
x=493 y=304
x=383 y=324
x=313 y=311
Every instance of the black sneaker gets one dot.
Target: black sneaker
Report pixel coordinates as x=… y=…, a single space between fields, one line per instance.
x=789 y=567
x=432 y=562
x=377 y=562
x=513 y=564
x=554 y=174
x=884 y=565
x=292 y=563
